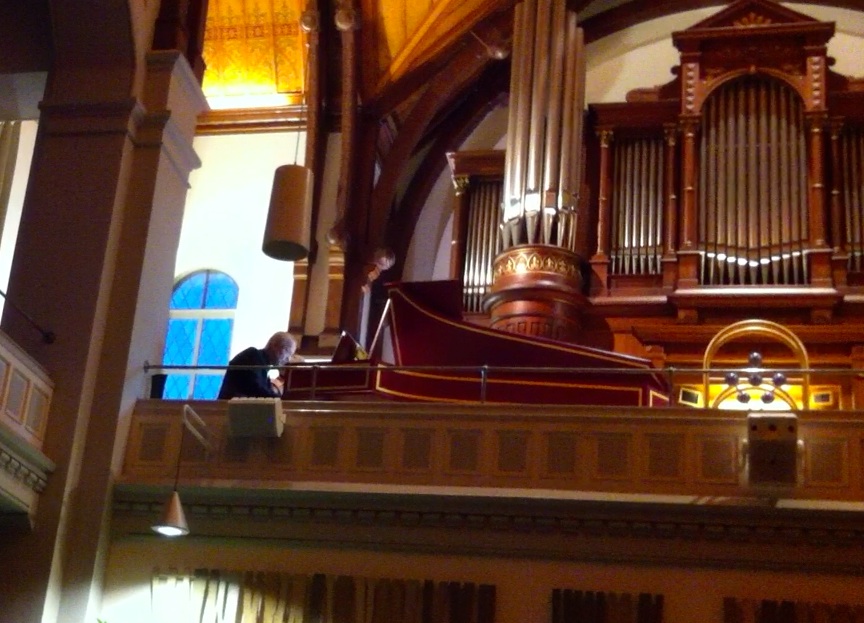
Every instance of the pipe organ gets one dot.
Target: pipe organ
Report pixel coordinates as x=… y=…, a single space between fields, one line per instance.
x=636 y=228
x=736 y=190
x=752 y=205
x=481 y=243
x=849 y=188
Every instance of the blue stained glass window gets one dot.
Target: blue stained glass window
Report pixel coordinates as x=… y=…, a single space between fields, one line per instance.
x=180 y=342
x=189 y=293
x=200 y=323
x=221 y=292
x=206 y=386
x=215 y=341
x=177 y=385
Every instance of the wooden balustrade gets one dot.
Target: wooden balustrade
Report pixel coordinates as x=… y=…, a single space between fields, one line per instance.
x=686 y=453
x=25 y=397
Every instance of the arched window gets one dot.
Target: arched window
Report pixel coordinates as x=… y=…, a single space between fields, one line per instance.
x=200 y=322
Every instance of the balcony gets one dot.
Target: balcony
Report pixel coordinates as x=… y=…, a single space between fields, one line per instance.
x=25 y=397
x=670 y=453
x=486 y=478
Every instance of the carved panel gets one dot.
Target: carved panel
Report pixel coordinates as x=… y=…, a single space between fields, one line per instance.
x=325 y=446
x=513 y=451
x=282 y=454
x=826 y=462
x=151 y=447
x=612 y=458
x=464 y=450
x=37 y=412
x=664 y=456
x=370 y=443
x=561 y=457
x=718 y=459
x=416 y=449
x=16 y=396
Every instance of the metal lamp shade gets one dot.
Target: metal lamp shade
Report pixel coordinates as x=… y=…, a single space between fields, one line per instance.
x=173 y=520
x=289 y=222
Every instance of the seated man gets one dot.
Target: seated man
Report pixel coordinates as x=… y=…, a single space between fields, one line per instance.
x=242 y=380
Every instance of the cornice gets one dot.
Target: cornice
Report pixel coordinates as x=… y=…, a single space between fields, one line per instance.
x=752 y=534
x=22 y=463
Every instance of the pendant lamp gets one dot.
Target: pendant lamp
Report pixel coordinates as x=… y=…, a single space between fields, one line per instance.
x=173 y=520
x=288 y=232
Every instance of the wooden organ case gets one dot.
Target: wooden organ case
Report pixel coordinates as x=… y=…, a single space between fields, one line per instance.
x=734 y=191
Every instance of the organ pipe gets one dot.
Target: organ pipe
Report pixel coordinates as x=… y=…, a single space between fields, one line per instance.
x=481 y=242
x=636 y=216
x=752 y=207
x=852 y=155
x=543 y=165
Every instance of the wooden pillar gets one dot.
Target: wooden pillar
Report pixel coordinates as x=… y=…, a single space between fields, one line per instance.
x=840 y=257
x=461 y=204
x=101 y=224
x=669 y=260
x=688 y=256
x=600 y=260
x=820 y=253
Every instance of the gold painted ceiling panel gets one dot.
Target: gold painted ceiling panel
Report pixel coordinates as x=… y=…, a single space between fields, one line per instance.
x=254 y=48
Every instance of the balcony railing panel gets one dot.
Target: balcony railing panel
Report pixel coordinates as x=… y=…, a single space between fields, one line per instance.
x=695 y=453
x=25 y=397
x=25 y=392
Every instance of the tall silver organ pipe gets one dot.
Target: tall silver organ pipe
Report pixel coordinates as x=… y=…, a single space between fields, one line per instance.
x=852 y=159
x=481 y=243
x=752 y=204
x=543 y=166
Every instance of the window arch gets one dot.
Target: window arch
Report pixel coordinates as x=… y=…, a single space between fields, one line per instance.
x=200 y=323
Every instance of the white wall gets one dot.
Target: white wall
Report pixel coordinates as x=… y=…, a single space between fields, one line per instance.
x=223 y=226
x=26 y=142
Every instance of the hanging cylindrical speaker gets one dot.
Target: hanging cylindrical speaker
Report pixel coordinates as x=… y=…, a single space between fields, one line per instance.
x=289 y=222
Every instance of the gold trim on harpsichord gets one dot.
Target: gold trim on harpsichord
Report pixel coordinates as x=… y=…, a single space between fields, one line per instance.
x=439 y=397
x=625 y=360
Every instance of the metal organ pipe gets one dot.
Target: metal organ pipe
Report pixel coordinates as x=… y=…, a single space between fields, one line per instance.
x=544 y=144
x=511 y=166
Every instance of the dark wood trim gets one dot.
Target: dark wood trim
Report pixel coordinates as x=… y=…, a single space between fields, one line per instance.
x=487 y=163
x=450 y=134
x=464 y=70
x=249 y=120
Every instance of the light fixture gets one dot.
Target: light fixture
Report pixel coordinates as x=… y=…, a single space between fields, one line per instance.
x=288 y=233
x=172 y=522
x=289 y=222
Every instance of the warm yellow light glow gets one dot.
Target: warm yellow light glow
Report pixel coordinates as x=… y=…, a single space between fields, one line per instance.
x=253 y=48
x=266 y=100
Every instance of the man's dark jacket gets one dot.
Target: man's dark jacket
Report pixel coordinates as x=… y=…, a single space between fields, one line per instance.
x=248 y=382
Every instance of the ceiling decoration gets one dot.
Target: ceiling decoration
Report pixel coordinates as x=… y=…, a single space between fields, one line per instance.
x=254 y=51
